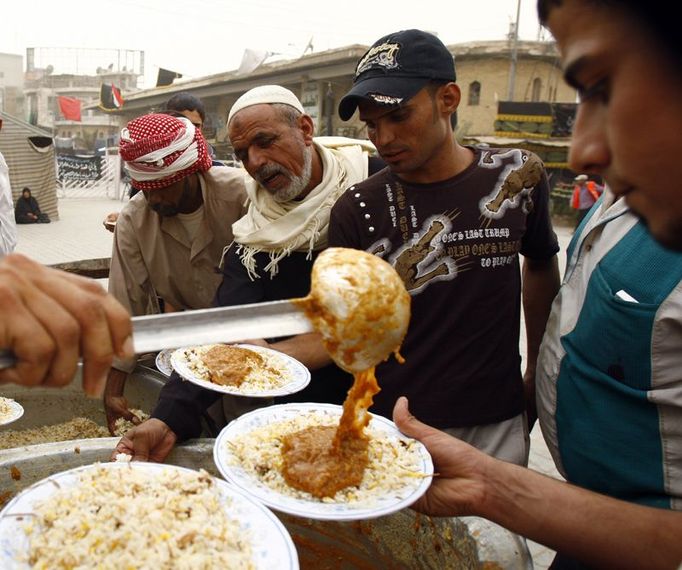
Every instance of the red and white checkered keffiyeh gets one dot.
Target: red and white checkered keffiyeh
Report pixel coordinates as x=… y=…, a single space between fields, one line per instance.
x=159 y=150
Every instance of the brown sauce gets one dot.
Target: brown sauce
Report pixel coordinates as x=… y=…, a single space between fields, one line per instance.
x=322 y=460
x=314 y=464
x=230 y=365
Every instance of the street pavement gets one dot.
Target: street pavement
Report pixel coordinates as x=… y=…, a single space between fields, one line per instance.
x=79 y=234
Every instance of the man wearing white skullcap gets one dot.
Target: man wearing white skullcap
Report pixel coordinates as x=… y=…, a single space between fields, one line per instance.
x=294 y=179
x=169 y=237
x=265 y=95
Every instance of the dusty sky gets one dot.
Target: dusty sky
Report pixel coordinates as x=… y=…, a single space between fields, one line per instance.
x=199 y=37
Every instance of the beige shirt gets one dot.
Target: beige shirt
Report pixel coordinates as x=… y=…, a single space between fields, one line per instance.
x=152 y=256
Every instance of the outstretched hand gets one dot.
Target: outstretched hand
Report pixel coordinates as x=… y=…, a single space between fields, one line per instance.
x=152 y=440
x=116 y=407
x=459 y=486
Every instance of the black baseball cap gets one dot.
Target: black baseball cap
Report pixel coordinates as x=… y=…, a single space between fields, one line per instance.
x=396 y=68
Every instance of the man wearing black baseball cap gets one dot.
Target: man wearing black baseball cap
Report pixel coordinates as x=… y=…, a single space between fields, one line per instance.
x=450 y=219
x=396 y=68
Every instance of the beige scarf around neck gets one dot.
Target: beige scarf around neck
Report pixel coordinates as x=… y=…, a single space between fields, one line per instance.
x=280 y=228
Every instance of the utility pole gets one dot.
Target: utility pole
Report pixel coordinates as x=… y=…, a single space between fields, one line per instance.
x=514 y=37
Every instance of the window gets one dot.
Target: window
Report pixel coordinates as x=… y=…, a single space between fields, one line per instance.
x=474 y=93
x=537 y=89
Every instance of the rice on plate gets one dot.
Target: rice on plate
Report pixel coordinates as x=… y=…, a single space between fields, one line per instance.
x=10 y=410
x=266 y=372
x=248 y=453
x=140 y=515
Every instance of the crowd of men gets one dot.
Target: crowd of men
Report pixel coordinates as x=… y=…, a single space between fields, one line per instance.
x=604 y=362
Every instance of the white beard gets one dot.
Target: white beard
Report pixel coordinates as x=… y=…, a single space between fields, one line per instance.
x=298 y=183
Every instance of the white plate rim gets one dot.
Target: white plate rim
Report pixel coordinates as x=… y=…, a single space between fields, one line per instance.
x=276 y=549
x=17 y=411
x=300 y=507
x=302 y=375
x=162 y=365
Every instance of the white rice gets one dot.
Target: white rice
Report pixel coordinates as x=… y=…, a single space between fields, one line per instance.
x=393 y=467
x=127 y=518
x=271 y=375
x=76 y=428
x=121 y=425
x=6 y=409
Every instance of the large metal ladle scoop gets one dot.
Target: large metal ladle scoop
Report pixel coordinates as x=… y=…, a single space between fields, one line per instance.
x=357 y=302
x=360 y=306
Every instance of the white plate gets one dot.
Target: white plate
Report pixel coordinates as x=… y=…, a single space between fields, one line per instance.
x=163 y=361
x=229 y=465
x=271 y=544
x=16 y=411
x=298 y=376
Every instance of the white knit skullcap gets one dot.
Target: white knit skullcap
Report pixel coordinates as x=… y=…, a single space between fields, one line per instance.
x=267 y=94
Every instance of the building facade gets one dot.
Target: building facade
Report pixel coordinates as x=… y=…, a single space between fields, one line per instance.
x=321 y=79
x=12 y=84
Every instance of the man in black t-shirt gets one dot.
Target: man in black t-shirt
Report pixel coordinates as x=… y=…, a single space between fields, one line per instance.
x=452 y=221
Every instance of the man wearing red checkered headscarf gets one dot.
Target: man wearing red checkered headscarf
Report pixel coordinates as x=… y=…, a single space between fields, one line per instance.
x=169 y=237
x=160 y=149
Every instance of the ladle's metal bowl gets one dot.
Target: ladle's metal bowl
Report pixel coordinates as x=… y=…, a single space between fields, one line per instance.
x=360 y=306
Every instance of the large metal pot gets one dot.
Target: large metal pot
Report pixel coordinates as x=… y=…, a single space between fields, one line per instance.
x=401 y=540
x=48 y=406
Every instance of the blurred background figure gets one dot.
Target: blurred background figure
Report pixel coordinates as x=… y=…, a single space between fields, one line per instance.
x=193 y=109
x=585 y=194
x=27 y=210
x=8 y=229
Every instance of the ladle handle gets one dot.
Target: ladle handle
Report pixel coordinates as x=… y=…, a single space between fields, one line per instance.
x=152 y=333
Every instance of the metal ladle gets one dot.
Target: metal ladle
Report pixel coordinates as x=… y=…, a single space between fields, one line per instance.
x=357 y=302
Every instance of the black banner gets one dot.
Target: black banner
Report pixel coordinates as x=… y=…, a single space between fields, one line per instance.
x=564 y=117
x=166 y=77
x=78 y=168
x=523 y=108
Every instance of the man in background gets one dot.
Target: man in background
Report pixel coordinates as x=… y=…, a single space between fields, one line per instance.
x=181 y=104
x=170 y=237
x=585 y=195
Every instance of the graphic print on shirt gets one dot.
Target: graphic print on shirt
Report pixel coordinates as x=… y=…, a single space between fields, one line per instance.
x=426 y=247
x=422 y=260
x=521 y=172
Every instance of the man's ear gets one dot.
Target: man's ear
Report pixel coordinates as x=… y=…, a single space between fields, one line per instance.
x=305 y=123
x=450 y=96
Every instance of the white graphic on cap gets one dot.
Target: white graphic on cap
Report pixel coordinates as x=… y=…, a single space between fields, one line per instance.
x=384 y=99
x=384 y=55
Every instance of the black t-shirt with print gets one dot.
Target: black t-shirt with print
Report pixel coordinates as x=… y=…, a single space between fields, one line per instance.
x=455 y=244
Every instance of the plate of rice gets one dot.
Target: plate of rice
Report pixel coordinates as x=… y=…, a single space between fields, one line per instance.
x=140 y=515
x=248 y=453
x=10 y=411
x=241 y=369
